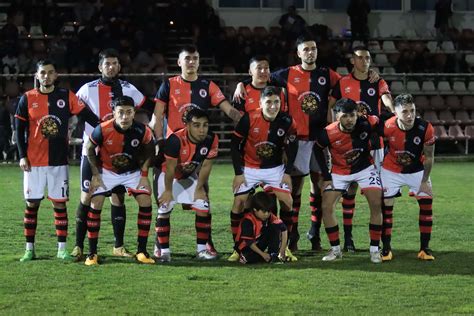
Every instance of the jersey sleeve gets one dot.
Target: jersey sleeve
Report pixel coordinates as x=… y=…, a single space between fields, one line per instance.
x=136 y=95
x=147 y=136
x=247 y=231
x=336 y=91
x=239 y=105
x=322 y=139
x=279 y=78
x=217 y=97
x=278 y=222
x=383 y=87
x=334 y=77
x=96 y=136
x=373 y=121
x=429 y=135
x=163 y=93
x=75 y=104
x=82 y=95
x=214 y=148
x=172 y=147
x=243 y=126
x=22 y=109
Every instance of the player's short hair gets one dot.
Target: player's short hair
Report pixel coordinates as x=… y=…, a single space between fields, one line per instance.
x=358 y=48
x=195 y=112
x=403 y=99
x=191 y=49
x=123 y=101
x=108 y=53
x=263 y=201
x=44 y=62
x=268 y=91
x=305 y=37
x=258 y=58
x=345 y=105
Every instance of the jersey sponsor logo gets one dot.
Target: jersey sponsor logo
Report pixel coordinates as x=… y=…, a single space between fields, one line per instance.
x=322 y=81
x=184 y=152
x=177 y=91
x=265 y=150
x=134 y=142
x=204 y=151
x=203 y=93
x=296 y=80
x=309 y=102
x=61 y=103
x=49 y=126
x=371 y=92
x=34 y=105
x=189 y=167
x=363 y=135
x=353 y=155
x=281 y=132
x=250 y=100
x=256 y=130
x=347 y=90
x=121 y=161
x=417 y=140
x=404 y=158
x=338 y=142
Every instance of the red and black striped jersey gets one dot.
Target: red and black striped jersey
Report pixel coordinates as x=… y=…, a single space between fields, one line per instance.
x=250 y=229
x=119 y=149
x=350 y=152
x=262 y=142
x=361 y=90
x=48 y=116
x=405 y=153
x=308 y=93
x=179 y=94
x=252 y=102
x=189 y=155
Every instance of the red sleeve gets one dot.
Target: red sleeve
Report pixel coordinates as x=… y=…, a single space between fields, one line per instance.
x=383 y=87
x=147 y=136
x=75 y=105
x=217 y=97
x=334 y=77
x=429 y=135
x=373 y=120
x=214 y=149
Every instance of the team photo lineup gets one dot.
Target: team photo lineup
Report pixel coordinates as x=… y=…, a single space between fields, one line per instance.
x=342 y=132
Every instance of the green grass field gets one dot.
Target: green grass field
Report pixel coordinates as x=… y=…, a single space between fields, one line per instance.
x=309 y=286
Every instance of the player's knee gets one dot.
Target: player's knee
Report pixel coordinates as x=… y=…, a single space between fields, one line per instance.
x=59 y=205
x=85 y=198
x=239 y=203
x=117 y=199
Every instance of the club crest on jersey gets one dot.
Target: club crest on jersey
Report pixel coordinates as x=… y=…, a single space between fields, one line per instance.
x=280 y=132
x=322 y=81
x=371 y=92
x=134 y=142
x=292 y=138
x=49 y=126
x=363 y=135
x=417 y=140
x=204 y=151
x=203 y=93
x=309 y=102
x=86 y=184
x=61 y=103
x=265 y=150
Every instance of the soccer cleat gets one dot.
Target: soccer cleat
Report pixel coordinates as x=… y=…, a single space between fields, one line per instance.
x=28 y=256
x=164 y=257
x=333 y=255
x=156 y=251
x=426 y=254
x=375 y=257
x=92 y=260
x=294 y=238
x=211 y=249
x=289 y=256
x=122 y=252
x=62 y=254
x=349 y=246
x=77 y=253
x=144 y=257
x=234 y=257
x=387 y=255
x=205 y=255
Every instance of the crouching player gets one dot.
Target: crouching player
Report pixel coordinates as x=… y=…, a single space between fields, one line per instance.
x=260 y=230
x=187 y=151
x=408 y=163
x=259 y=141
x=125 y=148
x=348 y=142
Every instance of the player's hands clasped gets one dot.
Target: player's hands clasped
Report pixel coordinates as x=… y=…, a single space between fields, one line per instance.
x=166 y=197
x=25 y=164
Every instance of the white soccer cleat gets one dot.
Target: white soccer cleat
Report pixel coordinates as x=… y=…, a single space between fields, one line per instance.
x=164 y=257
x=376 y=257
x=205 y=255
x=333 y=255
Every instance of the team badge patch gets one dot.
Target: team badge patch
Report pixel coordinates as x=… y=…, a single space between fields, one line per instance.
x=417 y=140
x=404 y=158
x=49 y=126
x=280 y=132
x=371 y=92
x=204 y=151
x=203 y=93
x=61 y=103
x=265 y=150
x=309 y=102
x=134 y=142
x=322 y=81
x=363 y=135
x=121 y=161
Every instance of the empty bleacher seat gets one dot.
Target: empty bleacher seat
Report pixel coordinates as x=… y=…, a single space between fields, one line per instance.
x=428 y=87
x=440 y=133
x=467 y=102
x=470 y=87
x=455 y=132
x=413 y=87
x=469 y=59
x=381 y=60
x=447 y=117
x=389 y=47
x=432 y=46
x=432 y=117
x=459 y=86
x=374 y=47
x=448 y=46
x=453 y=102
x=397 y=87
x=444 y=87
x=389 y=70
x=422 y=103
x=437 y=102
x=469 y=131
x=463 y=117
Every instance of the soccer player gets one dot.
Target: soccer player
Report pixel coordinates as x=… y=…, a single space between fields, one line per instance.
x=257 y=146
x=348 y=142
x=119 y=153
x=186 y=151
x=98 y=95
x=408 y=163
x=42 y=132
x=356 y=86
x=179 y=94
x=259 y=70
x=260 y=230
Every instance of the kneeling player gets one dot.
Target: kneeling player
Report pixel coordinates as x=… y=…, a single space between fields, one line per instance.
x=120 y=142
x=260 y=230
x=257 y=147
x=187 y=151
x=408 y=163
x=348 y=142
